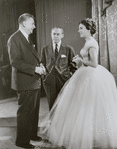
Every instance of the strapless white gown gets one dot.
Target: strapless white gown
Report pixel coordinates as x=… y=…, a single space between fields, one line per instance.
x=85 y=112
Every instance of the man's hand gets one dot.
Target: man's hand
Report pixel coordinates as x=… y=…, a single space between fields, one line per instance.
x=39 y=70
x=44 y=70
x=77 y=59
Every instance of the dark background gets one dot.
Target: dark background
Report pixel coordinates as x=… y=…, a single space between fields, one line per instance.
x=10 y=10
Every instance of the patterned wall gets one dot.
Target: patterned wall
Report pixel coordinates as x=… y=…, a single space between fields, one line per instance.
x=112 y=37
x=106 y=34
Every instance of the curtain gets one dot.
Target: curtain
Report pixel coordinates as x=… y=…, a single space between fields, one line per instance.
x=64 y=13
x=10 y=10
x=106 y=34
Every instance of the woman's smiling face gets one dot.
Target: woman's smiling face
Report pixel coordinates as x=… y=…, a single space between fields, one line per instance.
x=83 y=31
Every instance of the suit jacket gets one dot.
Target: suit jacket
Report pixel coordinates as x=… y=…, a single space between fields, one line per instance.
x=61 y=65
x=23 y=59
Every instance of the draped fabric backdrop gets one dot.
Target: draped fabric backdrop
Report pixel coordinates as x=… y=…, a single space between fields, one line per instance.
x=106 y=34
x=10 y=10
x=64 y=13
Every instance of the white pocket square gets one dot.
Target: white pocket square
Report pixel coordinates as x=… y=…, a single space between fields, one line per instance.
x=62 y=56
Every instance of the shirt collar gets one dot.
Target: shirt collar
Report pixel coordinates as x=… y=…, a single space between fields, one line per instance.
x=24 y=33
x=58 y=47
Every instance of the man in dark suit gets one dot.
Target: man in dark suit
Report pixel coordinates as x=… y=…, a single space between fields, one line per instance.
x=26 y=80
x=57 y=59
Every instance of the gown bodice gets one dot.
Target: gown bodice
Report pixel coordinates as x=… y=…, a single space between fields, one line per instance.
x=84 y=53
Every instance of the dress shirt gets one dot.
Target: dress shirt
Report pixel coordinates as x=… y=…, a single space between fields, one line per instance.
x=24 y=33
x=58 y=45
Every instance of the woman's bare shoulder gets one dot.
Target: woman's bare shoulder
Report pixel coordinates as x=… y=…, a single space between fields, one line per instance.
x=92 y=44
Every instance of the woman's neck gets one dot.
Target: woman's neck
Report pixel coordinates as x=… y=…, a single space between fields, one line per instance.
x=88 y=38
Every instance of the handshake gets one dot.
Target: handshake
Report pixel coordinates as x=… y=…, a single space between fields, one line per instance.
x=40 y=70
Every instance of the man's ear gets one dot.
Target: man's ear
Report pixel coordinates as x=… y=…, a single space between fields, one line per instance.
x=62 y=35
x=24 y=23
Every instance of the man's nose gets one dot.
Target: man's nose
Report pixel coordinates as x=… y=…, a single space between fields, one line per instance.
x=34 y=26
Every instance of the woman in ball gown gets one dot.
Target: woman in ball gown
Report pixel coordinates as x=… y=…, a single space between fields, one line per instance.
x=84 y=115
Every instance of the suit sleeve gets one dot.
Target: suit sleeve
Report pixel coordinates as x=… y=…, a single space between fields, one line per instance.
x=16 y=59
x=71 y=54
x=72 y=65
x=43 y=59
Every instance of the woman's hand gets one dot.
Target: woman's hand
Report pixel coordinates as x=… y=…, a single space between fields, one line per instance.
x=77 y=59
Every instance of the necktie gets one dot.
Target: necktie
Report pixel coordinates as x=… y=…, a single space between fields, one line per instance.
x=29 y=40
x=56 y=52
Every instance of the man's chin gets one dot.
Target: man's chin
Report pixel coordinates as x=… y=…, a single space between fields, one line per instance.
x=81 y=36
x=31 y=31
x=56 y=41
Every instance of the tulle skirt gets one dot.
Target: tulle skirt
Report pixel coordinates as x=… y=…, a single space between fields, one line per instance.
x=84 y=115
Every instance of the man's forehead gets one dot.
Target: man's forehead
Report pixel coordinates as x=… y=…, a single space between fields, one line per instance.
x=57 y=30
x=30 y=19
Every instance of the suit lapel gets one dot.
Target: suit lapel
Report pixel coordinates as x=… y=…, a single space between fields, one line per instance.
x=29 y=45
x=51 y=51
x=60 y=51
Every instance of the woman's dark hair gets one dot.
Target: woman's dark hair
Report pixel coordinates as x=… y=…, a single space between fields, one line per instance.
x=89 y=24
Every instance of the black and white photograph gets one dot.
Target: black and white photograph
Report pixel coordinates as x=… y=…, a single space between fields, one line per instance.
x=58 y=74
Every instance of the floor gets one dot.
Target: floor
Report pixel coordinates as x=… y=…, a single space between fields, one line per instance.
x=8 y=109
